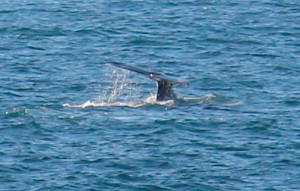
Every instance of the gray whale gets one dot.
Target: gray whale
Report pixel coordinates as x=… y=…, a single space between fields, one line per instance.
x=164 y=83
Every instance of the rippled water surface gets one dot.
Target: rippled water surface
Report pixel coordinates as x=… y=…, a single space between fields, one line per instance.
x=68 y=121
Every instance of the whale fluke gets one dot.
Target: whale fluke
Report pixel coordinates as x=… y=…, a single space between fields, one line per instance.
x=164 y=83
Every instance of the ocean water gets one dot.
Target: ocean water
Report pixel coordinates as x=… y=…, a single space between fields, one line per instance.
x=68 y=121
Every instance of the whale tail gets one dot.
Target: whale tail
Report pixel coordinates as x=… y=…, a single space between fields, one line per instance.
x=164 y=84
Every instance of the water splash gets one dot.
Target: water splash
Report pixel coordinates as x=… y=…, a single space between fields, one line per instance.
x=121 y=87
x=120 y=91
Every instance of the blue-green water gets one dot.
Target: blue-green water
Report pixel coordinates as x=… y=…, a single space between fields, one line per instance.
x=241 y=58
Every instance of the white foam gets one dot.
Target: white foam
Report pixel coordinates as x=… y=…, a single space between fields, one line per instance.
x=147 y=101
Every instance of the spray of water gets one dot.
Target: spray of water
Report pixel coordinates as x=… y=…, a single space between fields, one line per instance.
x=120 y=90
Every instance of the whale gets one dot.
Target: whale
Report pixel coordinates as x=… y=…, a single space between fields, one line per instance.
x=164 y=83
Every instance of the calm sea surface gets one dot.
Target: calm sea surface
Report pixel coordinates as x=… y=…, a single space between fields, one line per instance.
x=70 y=122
